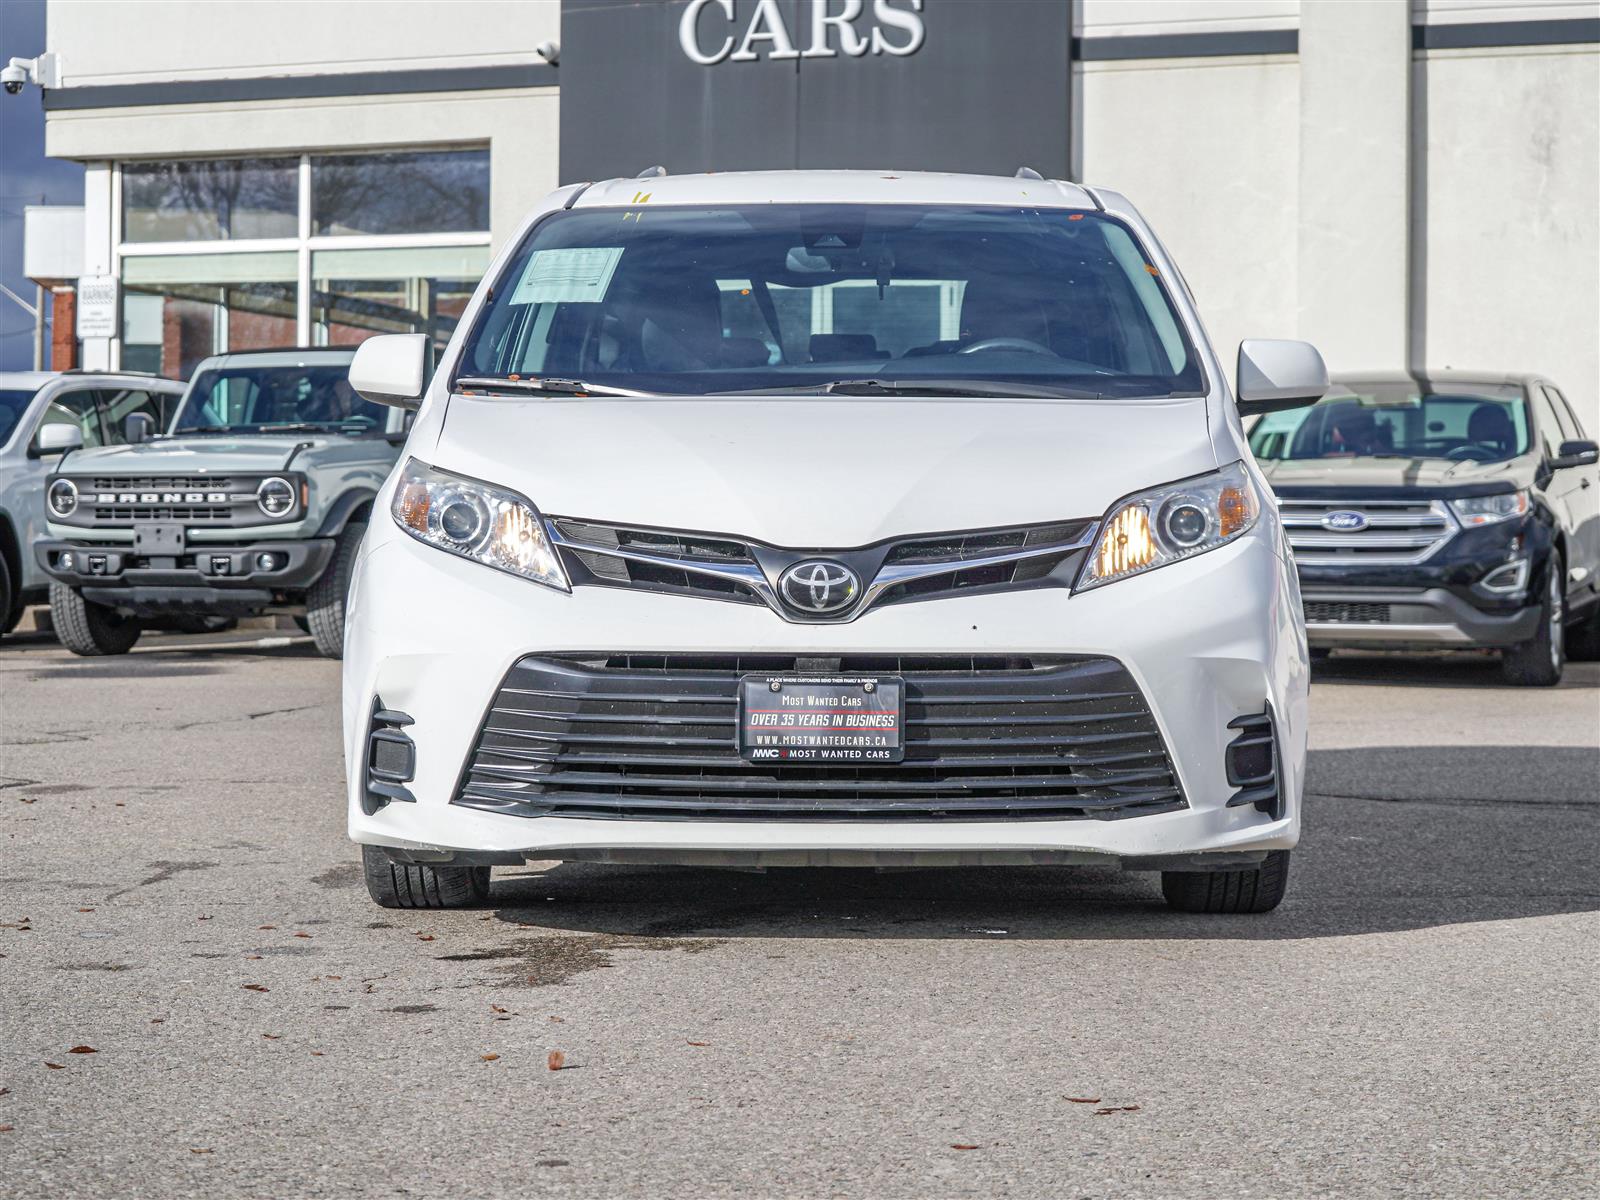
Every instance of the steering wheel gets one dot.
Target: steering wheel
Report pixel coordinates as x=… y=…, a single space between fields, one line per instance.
x=1007 y=343
x=1472 y=452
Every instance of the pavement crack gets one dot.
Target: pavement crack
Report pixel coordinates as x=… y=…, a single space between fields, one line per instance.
x=1461 y=801
x=164 y=871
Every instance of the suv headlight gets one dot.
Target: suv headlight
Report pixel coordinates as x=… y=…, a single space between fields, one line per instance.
x=275 y=497
x=1486 y=510
x=487 y=524
x=1170 y=523
x=63 y=497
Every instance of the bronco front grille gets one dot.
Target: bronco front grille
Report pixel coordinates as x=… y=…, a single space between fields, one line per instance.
x=652 y=737
x=1391 y=532
x=206 y=501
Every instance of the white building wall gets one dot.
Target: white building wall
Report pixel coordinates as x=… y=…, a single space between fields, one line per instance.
x=1511 y=197
x=122 y=41
x=1209 y=151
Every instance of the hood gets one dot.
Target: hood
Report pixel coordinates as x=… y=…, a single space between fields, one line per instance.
x=1286 y=475
x=239 y=455
x=829 y=472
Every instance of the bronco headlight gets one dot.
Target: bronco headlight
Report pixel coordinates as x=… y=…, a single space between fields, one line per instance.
x=1171 y=523
x=462 y=516
x=1486 y=510
x=62 y=497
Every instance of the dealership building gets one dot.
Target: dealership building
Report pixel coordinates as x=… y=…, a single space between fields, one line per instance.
x=1403 y=183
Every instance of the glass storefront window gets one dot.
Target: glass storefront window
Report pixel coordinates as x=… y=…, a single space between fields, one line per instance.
x=438 y=191
x=216 y=199
x=358 y=293
x=180 y=308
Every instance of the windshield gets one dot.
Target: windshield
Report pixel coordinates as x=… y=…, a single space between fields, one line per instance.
x=12 y=405
x=1466 y=423
x=702 y=300
x=263 y=398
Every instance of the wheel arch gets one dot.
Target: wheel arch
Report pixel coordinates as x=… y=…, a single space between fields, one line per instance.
x=354 y=505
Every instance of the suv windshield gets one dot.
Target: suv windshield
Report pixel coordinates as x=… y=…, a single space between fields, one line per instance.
x=725 y=299
x=263 y=398
x=13 y=404
x=1465 y=423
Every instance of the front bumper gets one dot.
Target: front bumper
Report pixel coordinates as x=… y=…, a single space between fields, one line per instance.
x=1207 y=641
x=216 y=578
x=1409 y=617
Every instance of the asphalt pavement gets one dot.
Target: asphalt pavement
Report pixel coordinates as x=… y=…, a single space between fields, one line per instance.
x=198 y=998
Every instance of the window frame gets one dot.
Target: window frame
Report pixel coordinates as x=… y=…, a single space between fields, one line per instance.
x=302 y=245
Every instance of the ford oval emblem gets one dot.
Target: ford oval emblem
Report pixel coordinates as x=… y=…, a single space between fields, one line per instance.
x=1345 y=521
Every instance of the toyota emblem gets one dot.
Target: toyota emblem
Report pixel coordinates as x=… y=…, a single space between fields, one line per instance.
x=819 y=586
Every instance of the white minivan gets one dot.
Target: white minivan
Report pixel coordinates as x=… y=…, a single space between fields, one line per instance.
x=833 y=518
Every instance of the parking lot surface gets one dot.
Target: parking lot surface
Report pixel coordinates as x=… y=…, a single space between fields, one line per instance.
x=177 y=895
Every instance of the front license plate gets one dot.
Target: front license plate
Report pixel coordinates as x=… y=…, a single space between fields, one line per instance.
x=821 y=719
x=158 y=538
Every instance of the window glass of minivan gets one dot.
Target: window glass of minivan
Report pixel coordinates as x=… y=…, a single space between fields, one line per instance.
x=727 y=299
x=13 y=403
x=264 y=399
x=1473 y=423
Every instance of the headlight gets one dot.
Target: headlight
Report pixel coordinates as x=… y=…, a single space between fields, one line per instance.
x=497 y=528
x=1486 y=510
x=1171 y=523
x=63 y=497
x=275 y=497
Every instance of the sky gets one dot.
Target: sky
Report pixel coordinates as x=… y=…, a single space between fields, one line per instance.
x=26 y=177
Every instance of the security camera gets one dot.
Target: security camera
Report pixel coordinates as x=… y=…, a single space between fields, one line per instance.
x=14 y=77
x=45 y=71
x=549 y=51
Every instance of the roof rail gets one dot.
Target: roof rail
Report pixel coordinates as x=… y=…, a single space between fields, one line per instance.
x=1027 y=173
x=109 y=371
x=651 y=173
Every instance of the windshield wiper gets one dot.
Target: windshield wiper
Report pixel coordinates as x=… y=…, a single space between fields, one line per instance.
x=202 y=429
x=980 y=389
x=539 y=387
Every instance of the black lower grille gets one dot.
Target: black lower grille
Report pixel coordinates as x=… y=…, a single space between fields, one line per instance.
x=653 y=737
x=1342 y=613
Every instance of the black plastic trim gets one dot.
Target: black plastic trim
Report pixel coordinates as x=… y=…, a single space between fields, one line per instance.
x=1187 y=45
x=1263 y=790
x=383 y=785
x=1472 y=35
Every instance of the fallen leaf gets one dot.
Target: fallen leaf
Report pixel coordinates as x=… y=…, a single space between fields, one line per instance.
x=5 y=1091
x=25 y=800
x=333 y=976
x=557 y=1060
x=424 y=937
x=557 y=1020
x=1100 y=1112
x=272 y=1037
x=252 y=958
x=204 y=919
x=86 y=910
x=301 y=933
x=83 y=1050
x=55 y=1066
x=266 y=926
x=699 y=1043
x=316 y=1054
x=6 y=1128
x=200 y=1150
x=488 y=1057
x=1083 y=1099
x=964 y=1146
x=158 y=1020
x=496 y=1008
x=254 y=987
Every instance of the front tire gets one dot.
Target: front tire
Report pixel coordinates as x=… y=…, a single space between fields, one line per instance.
x=1253 y=890
x=326 y=600
x=1539 y=661
x=394 y=884
x=90 y=629
x=10 y=610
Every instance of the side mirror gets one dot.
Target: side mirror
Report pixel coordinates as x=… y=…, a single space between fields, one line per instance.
x=1576 y=454
x=391 y=369
x=1277 y=375
x=57 y=438
x=137 y=427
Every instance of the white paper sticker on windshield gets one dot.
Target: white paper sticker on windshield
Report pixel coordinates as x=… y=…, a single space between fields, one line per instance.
x=568 y=276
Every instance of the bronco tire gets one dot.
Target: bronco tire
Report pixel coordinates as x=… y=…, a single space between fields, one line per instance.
x=1255 y=890
x=325 y=601
x=9 y=615
x=422 y=885
x=90 y=629
x=1539 y=661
